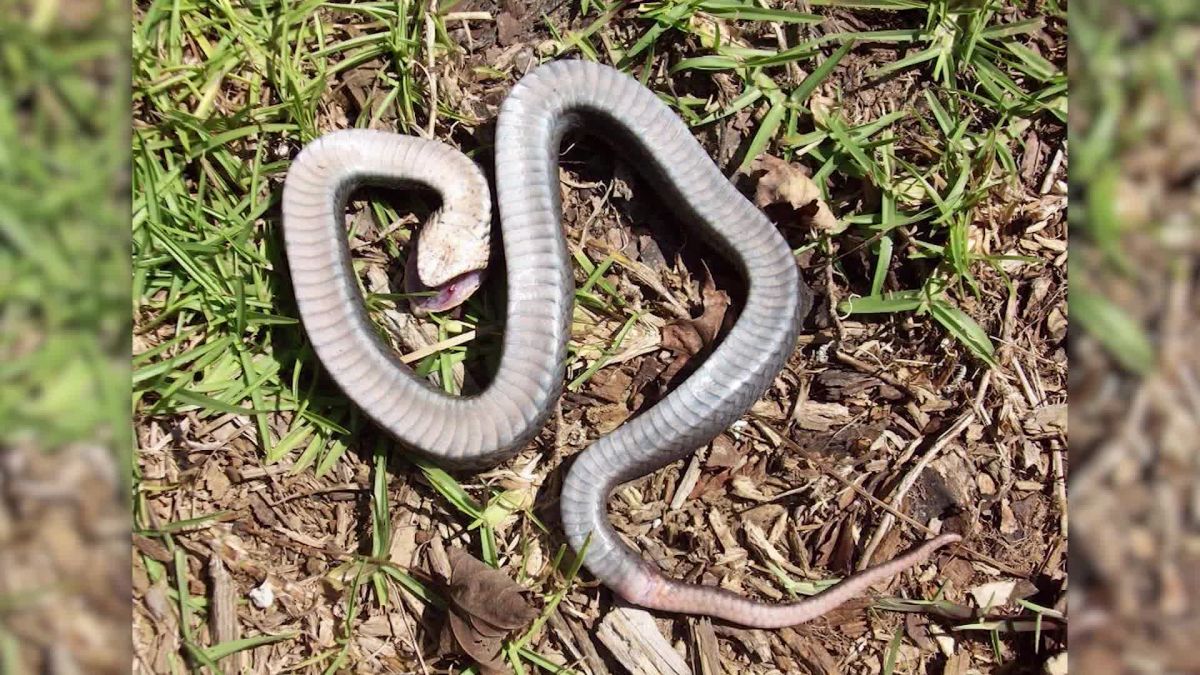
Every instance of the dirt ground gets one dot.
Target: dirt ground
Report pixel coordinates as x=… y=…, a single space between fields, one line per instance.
x=881 y=430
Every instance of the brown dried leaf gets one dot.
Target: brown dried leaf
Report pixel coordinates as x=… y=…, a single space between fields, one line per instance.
x=152 y=548
x=708 y=325
x=958 y=664
x=487 y=594
x=611 y=384
x=787 y=194
x=724 y=453
x=485 y=605
x=507 y=28
x=916 y=626
x=607 y=417
x=686 y=339
x=485 y=650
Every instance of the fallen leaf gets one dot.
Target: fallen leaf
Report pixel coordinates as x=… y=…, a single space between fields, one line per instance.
x=1047 y=421
x=606 y=417
x=485 y=605
x=216 y=481
x=715 y=304
x=746 y=488
x=916 y=626
x=683 y=341
x=787 y=194
x=686 y=339
x=152 y=548
x=611 y=384
x=724 y=453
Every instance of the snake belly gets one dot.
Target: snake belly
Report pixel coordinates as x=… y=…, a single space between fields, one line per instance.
x=476 y=431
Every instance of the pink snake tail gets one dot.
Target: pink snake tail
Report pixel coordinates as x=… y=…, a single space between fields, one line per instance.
x=654 y=591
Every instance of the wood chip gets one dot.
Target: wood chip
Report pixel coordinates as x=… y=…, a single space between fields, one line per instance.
x=708 y=650
x=687 y=482
x=818 y=659
x=222 y=616
x=818 y=416
x=765 y=549
x=636 y=643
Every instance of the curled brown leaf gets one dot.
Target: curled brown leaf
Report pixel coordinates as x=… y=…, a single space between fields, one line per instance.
x=787 y=194
x=685 y=339
x=485 y=606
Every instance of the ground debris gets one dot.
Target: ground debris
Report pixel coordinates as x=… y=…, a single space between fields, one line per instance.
x=789 y=196
x=485 y=606
x=223 y=618
x=636 y=642
x=686 y=339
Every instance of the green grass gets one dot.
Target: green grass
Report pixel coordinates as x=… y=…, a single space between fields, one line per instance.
x=1132 y=85
x=224 y=93
x=63 y=242
x=207 y=164
x=988 y=85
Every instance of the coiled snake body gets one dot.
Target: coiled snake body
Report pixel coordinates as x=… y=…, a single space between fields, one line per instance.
x=480 y=430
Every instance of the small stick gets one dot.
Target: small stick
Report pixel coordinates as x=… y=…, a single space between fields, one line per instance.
x=908 y=481
x=1048 y=179
x=421 y=353
x=880 y=373
x=901 y=516
x=430 y=29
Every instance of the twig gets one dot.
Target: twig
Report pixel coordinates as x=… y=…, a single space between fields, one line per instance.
x=908 y=481
x=223 y=620
x=430 y=29
x=1048 y=179
x=831 y=294
x=436 y=347
x=587 y=224
x=1060 y=487
x=469 y=16
x=878 y=372
x=846 y=482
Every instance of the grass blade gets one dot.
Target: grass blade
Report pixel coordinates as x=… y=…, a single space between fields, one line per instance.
x=900 y=301
x=965 y=329
x=1124 y=339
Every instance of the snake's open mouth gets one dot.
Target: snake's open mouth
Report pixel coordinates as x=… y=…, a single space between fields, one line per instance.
x=439 y=298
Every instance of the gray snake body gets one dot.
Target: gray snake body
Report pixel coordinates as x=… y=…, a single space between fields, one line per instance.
x=483 y=429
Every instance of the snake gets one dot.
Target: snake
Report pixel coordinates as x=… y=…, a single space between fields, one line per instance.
x=471 y=432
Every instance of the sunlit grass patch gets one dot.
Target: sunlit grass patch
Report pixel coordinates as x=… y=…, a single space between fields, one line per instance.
x=986 y=87
x=62 y=255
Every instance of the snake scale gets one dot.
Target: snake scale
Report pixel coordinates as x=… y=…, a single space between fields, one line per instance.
x=475 y=431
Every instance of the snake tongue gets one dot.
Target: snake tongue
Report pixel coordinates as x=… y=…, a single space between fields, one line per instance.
x=439 y=298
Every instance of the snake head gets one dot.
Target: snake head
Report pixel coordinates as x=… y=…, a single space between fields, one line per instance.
x=452 y=252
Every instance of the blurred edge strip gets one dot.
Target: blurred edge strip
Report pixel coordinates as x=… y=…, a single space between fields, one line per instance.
x=64 y=224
